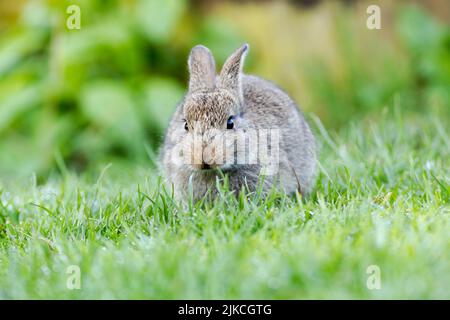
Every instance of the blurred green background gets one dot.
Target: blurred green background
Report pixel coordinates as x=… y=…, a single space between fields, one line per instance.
x=80 y=99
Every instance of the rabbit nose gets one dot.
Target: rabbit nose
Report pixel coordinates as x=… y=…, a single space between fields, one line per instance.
x=201 y=157
x=205 y=166
x=209 y=156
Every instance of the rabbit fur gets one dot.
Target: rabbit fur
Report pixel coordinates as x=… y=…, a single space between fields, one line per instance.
x=217 y=107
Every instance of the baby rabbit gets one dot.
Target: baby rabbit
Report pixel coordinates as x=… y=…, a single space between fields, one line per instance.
x=239 y=126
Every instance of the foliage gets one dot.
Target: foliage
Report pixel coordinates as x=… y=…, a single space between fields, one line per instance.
x=105 y=93
x=98 y=93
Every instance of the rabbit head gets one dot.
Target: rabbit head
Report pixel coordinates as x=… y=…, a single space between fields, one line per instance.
x=211 y=109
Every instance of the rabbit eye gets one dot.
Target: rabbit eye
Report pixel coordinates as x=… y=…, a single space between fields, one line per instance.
x=230 y=122
x=186 y=127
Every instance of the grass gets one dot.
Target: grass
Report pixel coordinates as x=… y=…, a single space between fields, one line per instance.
x=382 y=199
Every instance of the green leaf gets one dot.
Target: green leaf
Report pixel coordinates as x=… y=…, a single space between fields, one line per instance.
x=158 y=18
x=110 y=108
x=161 y=97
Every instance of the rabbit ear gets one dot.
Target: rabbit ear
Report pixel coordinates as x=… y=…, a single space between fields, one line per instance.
x=231 y=74
x=202 y=69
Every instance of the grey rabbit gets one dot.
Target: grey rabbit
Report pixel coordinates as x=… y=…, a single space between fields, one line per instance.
x=239 y=126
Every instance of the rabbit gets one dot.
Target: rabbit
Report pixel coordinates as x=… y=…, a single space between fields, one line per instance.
x=223 y=116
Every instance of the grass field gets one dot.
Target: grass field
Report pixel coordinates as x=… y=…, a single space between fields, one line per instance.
x=382 y=199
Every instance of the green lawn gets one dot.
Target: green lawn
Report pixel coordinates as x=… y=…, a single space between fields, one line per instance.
x=382 y=199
